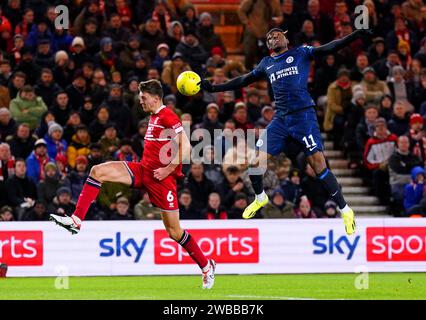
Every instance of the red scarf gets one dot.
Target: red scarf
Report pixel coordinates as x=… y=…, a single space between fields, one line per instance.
x=60 y=148
x=419 y=147
x=10 y=166
x=343 y=85
x=42 y=162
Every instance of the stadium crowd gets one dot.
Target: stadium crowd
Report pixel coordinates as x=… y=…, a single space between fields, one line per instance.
x=69 y=100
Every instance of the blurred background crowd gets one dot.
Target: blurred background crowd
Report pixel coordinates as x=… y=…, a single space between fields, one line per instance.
x=69 y=100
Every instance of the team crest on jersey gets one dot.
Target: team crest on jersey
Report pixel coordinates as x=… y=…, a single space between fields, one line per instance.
x=290 y=59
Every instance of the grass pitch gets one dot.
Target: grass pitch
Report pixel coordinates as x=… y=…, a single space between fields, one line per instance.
x=227 y=287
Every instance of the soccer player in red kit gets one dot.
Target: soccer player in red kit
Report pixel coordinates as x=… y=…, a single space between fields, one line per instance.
x=165 y=141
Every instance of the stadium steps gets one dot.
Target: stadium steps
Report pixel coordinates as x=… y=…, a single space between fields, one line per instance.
x=333 y=154
x=349 y=190
x=357 y=195
x=344 y=172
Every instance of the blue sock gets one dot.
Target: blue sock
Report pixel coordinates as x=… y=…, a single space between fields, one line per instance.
x=330 y=183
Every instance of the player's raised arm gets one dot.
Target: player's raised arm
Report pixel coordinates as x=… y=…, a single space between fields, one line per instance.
x=236 y=83
x=336 y=45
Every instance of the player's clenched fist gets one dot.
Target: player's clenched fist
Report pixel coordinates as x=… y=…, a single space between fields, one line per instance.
x=206 y=85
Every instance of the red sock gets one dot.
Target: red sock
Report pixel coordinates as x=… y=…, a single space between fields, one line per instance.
x=87 y=196
x=190 y=245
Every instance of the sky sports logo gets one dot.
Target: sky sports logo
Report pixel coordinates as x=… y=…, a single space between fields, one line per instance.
x=21 y=248
x=396 y=244
x=222 y=245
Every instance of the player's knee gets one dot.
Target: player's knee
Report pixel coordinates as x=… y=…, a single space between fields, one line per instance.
x=174 y=233
x=96 y=172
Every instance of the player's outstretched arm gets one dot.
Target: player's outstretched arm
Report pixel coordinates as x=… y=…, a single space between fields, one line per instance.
x=336 y=45
x=236 y=83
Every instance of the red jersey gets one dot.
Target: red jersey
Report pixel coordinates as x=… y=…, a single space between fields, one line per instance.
x=163 y=127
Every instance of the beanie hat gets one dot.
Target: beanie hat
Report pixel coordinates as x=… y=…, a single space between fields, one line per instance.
x=416 y=118
x=81 y=159
x=53 y=126
x=105 y=40
x=77 y=41
x=62 y=190
x=205 y=15
x=50 y=165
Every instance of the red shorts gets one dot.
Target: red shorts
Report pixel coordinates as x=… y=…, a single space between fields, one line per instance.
x=163 y=194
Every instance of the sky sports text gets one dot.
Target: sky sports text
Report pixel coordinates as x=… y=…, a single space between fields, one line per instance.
x=116 y=246
x=21 y=248
x=331 y=244
x=396 y=244
x=222 y=245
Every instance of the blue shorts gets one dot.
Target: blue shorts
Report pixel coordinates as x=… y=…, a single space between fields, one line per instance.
x=298 y=130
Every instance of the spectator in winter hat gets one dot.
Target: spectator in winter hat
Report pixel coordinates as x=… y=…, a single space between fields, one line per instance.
x=400 y=89
x=413 y=191
x=106 y=57
x=267 y=115
x=330 y=209
x=55 y=143
x=208 y=38
x=127 y=56
x=191 y=49
x=241 y=118
x=79 y=145
x=238 y=206
x=77 y=177
x=46 y=190
x=217 y=58
x=304 y=209
x=172 y=70
x=162 y=55
x=279 y=207
x=63 y=206
x=95 y=156
x=211 y=119
x=122 y=211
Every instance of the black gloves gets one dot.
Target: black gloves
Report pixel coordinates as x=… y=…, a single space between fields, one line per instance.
x=206 y=85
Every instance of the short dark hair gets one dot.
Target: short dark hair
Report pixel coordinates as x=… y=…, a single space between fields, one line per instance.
x=17 y=160
x=46 y=70
x=19 y=74
x=152 y=87
x=27 y=88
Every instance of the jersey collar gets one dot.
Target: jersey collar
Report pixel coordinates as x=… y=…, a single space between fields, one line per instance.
x=282 y=54
x=159 y=109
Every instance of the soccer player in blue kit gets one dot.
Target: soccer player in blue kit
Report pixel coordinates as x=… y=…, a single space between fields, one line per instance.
x=295 y=118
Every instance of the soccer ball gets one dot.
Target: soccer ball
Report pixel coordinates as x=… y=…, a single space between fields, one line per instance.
x=187 y=83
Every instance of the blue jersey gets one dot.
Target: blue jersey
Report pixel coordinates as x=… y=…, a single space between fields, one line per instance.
x=288 y=75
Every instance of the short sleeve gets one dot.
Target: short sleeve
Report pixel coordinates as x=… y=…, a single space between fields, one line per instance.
x=172 y=121
x=259 y=69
